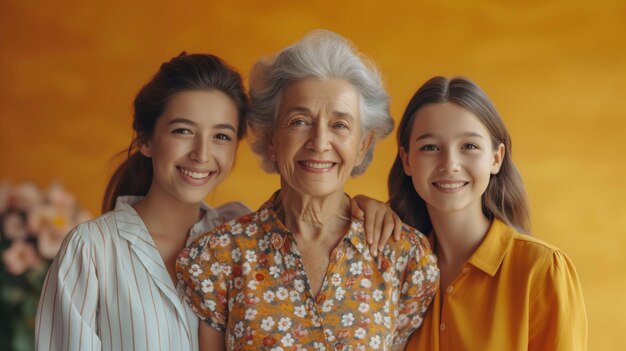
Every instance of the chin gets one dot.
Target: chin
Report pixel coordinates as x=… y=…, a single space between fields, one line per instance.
x=450 y=207
x=191 y=199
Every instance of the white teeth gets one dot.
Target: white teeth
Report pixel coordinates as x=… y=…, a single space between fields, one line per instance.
x=319 y=165
x=450 y=185
x=194 y=175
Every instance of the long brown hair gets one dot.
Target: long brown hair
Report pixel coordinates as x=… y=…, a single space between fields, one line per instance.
x=504 y=197
x=182 y=73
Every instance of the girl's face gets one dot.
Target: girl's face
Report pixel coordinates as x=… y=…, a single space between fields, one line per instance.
x=450 y=158
x=193 y=145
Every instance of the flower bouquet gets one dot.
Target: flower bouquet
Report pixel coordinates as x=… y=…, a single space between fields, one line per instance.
x=33 y=224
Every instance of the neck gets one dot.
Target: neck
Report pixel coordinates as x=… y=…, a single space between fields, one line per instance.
x=458 y=234
x=167 y=217
x=314 y=218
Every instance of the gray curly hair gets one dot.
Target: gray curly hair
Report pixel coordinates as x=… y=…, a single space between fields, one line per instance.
x=321 y=54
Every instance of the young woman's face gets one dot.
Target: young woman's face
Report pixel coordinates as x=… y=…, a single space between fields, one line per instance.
x=318 y=140
x=193 y=145
x=450 y=157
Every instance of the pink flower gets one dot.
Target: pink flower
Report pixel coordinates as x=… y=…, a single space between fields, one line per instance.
x=14 y=226
x=49 y=217
x=60 y=200
x=50 y=227
x=44 y=218
x=25 y=197
x=20 y=257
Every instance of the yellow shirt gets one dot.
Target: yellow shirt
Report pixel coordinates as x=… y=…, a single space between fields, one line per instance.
x=515 y=293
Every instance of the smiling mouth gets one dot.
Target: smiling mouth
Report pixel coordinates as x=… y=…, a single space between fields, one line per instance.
x=195 y=175
x=317 y=165
x=450 y=186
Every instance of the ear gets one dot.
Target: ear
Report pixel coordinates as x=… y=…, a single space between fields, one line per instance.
x=271 y=150
x=498 y=157
x=404 y=157
x=144 y=148
x=366 y=142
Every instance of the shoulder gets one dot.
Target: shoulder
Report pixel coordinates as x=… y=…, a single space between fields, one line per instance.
x=232 y=210
x=416 y=240
x=87 y=239
x=231 y=233
x=550 y=271
x=412 y=247
x=215 y=217
x=97 y=229
x=540 y=258
x=532 y=248
x=245 y=225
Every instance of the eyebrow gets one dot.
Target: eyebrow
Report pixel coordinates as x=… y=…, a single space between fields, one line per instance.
x=192 y=123
x=299 y=109
x=306 y=111
x=466 y=134
x=181 y=120
x=225 y=126
x=343 y=114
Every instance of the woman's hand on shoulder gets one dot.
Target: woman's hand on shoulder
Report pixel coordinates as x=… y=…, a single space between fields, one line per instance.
x=379 y=220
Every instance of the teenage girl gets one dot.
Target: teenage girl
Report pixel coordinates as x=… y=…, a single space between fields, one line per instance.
x=112 y=284
x=454 y=178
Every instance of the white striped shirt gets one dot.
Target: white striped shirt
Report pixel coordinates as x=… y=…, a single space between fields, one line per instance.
x=108 y=288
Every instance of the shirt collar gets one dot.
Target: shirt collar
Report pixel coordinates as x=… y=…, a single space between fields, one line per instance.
x=131 y=224
x=272 y=224
x=494 y=247
x=356 y=236
x=279 y=232
x=127 y=200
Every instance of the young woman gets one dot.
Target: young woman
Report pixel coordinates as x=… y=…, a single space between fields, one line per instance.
x=454 y=178
x=112 y=284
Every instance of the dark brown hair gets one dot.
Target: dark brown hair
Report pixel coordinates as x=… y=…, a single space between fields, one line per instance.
x=504 y=197
x=182 y=73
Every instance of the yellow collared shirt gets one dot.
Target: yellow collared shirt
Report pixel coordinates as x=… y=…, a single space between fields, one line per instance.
x=515 y=293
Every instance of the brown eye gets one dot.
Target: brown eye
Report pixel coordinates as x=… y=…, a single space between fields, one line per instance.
x=297 y=122
x=429 y=147
x=222 y=136
x=181 y=131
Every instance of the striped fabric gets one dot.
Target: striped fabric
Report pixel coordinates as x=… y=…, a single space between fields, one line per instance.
x=108 y=288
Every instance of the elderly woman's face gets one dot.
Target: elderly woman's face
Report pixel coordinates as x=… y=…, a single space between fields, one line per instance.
x=318 y=139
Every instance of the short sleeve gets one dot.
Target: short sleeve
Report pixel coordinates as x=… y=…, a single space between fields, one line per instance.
x=558 y=319
x=203 y=279
x=421 y=281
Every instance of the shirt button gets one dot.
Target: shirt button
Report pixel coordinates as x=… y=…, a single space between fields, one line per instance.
x=450 y=289
x=465 y=269
x=442 y=327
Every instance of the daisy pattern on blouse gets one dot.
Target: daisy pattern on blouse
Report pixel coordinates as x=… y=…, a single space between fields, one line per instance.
x=246 y=278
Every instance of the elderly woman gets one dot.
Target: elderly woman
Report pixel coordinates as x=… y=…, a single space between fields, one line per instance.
x=296 y=274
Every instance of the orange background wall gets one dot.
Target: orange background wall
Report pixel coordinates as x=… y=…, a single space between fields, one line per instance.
x=555 y=69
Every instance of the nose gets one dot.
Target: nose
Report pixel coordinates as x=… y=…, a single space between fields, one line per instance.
x=449 y=162
x=319 y=139
x=200 y=149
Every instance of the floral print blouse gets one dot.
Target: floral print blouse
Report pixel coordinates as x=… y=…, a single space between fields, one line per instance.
x=246 y=278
